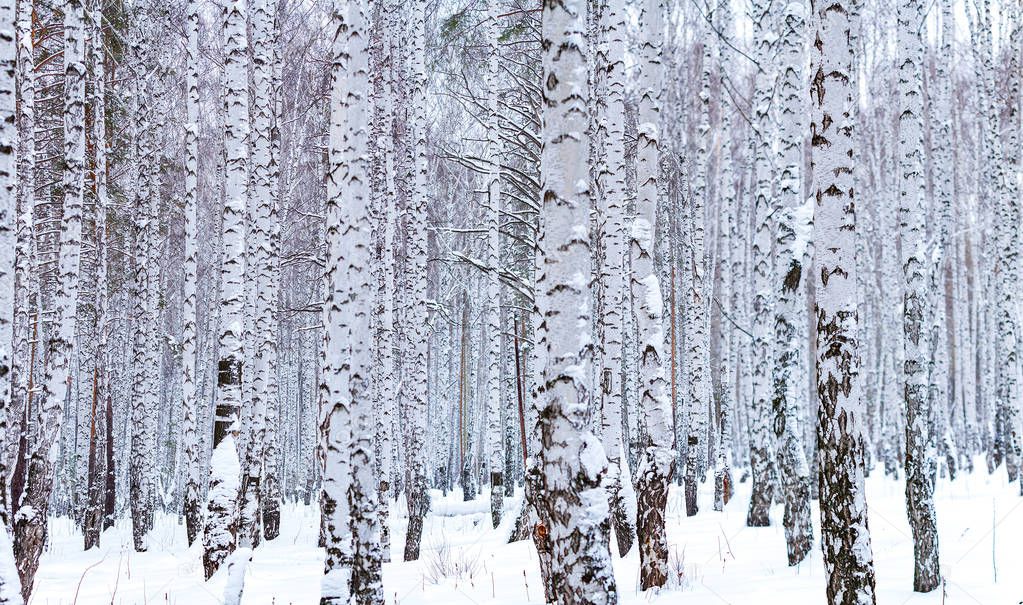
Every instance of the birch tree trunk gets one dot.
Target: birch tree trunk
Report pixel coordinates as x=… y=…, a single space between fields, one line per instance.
x=416 y=489
x=492 y=299
x=387 y=378
x=697 y=308
x=611 y=180
x=137 y=462
x=263 y=338
x=92 y=525
x=761 y=446
x=845 y=536
x=30 y=522
x=658 y=462
x=728 y=269
x=572 y=462
x=335 y=387
x=920 y=461
x=1004 y=147
x=189 y=404
x=350 y=174
x=790 y=245
x=25 y=278
x=271 y=484
x=10 y=587
x=220 y=535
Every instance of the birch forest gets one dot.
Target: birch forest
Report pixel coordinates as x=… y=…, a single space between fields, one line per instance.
x=576 y=302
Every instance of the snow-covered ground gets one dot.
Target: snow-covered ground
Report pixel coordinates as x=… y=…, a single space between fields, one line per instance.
x=717 y=558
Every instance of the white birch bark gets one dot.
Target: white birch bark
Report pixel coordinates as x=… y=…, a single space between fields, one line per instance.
x=572 y=462
x=1002 y=148
x=920 y=461
x=271 y=483
x=790 y=245
x=189 y=403
x=761 y=447
x=259 y=270
x=356 y=230
x=697 y=307
x=416 y=488
x=388 y=378
x=658 y=459
x=30 y=522
x=943 y=148
x=8 y=243
x=335 y=388
x=611 y=180
x=220 y=535
x=92 y=524
x=25 y=280
x=492 y=299
x=729 y=263
x=845 y=536
x=141 y=155
x=10 y=586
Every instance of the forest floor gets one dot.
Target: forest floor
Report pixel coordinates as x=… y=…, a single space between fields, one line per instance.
x=715 y=557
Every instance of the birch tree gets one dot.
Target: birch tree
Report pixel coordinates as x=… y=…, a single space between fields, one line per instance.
x=572 y=462
x=93 y=522
x=416 y=488
x=920 y=462
x=271 y=484
x=790 y=245
x=385 y=339
x=658 y=460
x=761 y=450
x=493 y=293
x=24 y=277
x=697 y=309
x=351 y=238
x=335 y=388
x=221 y=525
x=845 y=535
x=10 y=587
x=189 y=404
x=30 y=522
x=611 y=180
x=728 y=261
x=259 y=270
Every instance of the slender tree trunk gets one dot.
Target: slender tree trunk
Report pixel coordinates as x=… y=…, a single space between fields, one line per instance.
x=221 y=531
x=10 y=587
x=416 y=490
x=572 y=463
x=30 y=523
x=845 y=536
x=793 y=233
x=271 y=485
x=143 y=320
x=259 y=271
x=611 y=180
x=25 y=281
x=658 y=461
x=697 y=308
x=492 y=299
x=761 y=447
x=388 y=379
x=335 y=388
x=94 y=511
x=920 y=462
x=728 y=264
x=350 y=172
x=189 y=404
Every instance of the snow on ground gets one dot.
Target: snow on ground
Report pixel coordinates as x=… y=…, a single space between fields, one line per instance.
x=717 y=559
